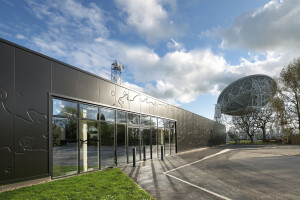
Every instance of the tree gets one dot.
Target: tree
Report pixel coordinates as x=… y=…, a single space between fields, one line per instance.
x=286 y=101
x=245 y=121
x=262 y=117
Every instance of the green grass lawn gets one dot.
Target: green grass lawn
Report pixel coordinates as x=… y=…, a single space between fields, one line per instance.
x=107 y=184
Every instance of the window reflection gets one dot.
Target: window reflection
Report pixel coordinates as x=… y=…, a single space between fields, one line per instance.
x=64 y=108
x=167 y=142
x=145 y=120
x=160 y=122
x=173 y=141
x=107 y=115
x=64 y=146
x=121 y=117
x=153 y=121
x=172 y=124
x=160 y=138
x=133 y=141
x=146 y=141
x=154 y=142
x=107 y=144
x=133 y=119
x=89 y=145
x=88 y=112
x=121 y=144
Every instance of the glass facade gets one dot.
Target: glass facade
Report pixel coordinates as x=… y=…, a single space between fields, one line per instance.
x=134 y=142
x=89 y=137
x=121 y=144
x=65 y=142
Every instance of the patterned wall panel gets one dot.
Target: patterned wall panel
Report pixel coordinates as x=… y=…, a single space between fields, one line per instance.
x=88 y=87
x=145 y=106
x=6 y=112
x=122 y=97
x=152 y=106
x=160 y=108
x=134 y=101
x=107 y=93
x=31 y=131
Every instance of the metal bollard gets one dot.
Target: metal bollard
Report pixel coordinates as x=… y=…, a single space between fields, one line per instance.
x=133 y=156
x=162 y=152
x=144 y=152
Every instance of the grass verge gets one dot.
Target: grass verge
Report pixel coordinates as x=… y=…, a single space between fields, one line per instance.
x=107 y=184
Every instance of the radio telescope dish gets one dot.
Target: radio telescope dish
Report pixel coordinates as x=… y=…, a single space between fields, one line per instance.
x=248 y=92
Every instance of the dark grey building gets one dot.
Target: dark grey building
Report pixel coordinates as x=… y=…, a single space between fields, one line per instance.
x=58 y=120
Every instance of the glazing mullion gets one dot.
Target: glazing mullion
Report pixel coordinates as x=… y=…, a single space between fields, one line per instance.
x=78 y=138
x=99 y=135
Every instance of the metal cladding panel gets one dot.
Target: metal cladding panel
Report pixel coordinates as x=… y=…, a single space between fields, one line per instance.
x=6 y=112
x=107 y=93
x=122 y=97
x=167 y=111
x=31 y=137
x=195 y=131
x=172 y=112
x=160 y=108
x=134 y=101
x=145 y=105
x=64 y=80
x=152 y=106
x=88 y=87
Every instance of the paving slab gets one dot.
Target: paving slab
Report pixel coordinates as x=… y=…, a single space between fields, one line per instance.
x=227 y=172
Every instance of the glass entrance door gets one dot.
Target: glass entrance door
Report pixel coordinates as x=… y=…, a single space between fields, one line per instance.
x=167 y=142
x=89 y=145
x=121 y=144
x=133 y=141
x=146 y=141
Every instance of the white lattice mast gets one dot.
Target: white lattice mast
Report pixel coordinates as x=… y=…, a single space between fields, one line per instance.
x=116 y=72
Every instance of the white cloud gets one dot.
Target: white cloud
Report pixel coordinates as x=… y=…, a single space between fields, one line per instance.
x=270 y=33
x=179 y=76
x=175 y=45
x=20 y=37
x=149 y=18
x=273 y=27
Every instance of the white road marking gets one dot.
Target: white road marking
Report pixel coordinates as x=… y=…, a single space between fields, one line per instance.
x=205 y=158
x=196 y=186
x=191 y=151
x=201 y=188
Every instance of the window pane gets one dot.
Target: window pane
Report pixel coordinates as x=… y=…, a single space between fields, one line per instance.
x=153 y=121
x=172 y=124
x=133 y=141
x=145 y=120
x=160 y=139
x=121 y=144
x=173 y=141
x=88 y=112
x=64 y=108
x=166 y=123
x=146 y=141
x=65 y=160
x=107 y=115
x=167 y=142
x=89 y=145
x=107 y=145
x=121 y=116
x=154 y=143
x=64 y=129
x=160 y=122
x=133 y=119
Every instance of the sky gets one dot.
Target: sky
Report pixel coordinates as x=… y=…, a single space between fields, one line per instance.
x=183 y=52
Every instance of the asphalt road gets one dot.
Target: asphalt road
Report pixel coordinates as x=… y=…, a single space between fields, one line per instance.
x=228 y=172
